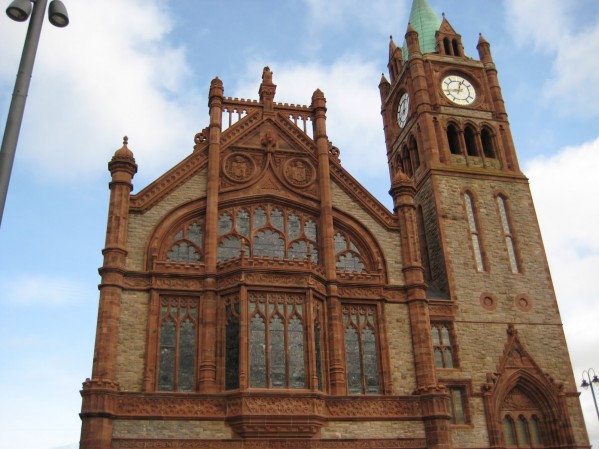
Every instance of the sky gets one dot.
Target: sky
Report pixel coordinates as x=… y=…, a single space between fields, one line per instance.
x=143 y=68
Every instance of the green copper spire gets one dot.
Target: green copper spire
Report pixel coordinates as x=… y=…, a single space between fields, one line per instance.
x=426 y=23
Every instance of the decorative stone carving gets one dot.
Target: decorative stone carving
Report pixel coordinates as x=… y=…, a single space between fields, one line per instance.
x=374 y=408
x=143 y=406
x=178 y=283
x=361 y=292
x=299 y=172
x=238 y=167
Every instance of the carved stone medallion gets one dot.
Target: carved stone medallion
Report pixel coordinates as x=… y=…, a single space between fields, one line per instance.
x=238 y=167
x=299 y=173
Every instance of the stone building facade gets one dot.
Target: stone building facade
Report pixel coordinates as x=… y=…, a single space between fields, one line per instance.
x=257 y=296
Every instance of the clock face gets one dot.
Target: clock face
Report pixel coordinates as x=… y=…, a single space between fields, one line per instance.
x=402 y=110
x=458 y=89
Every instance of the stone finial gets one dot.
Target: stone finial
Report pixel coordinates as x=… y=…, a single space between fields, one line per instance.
x=267 y=88
x=124 y=151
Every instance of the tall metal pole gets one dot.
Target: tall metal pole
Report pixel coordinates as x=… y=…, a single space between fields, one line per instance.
x=19 y=96
x=591 y=381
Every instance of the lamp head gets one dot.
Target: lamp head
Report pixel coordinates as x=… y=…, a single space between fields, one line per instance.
x=595 y=379
x=57 y=14
x=19 y=10
x=585 y=384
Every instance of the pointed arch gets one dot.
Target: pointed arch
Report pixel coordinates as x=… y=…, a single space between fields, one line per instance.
x=520 y=389
x=453 y=139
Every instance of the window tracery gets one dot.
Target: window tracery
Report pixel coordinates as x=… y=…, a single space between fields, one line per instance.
x=187 y=243
x=347 y=254
x=277 y=339
x=361 y=349
x=442 y=345
x=267 y=231
x=178 y=343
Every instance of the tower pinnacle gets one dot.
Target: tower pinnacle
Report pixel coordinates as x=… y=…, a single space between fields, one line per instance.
x=425 y=22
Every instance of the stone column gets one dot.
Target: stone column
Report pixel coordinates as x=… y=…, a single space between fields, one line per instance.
x=336 y=350
x=207 y=371
x=433 y=397
x=99 y=392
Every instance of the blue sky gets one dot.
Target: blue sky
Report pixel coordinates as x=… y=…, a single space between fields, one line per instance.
x=142 y=68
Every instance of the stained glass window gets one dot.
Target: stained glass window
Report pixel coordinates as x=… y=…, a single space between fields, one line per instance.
x=347 y=253
x=178 y=344
x=277 y=355
x=361 y=353
x=232 y=343
x=187 y=244
x=267 y=231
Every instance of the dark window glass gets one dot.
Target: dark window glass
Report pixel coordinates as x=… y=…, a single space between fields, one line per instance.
x=232 y=344
x=280 y=363
x=294 y=227
x=178 y=344
x=470 y=138
x=446 y=46
x=487 y=141
x=269 y=244
x=225 y=225
x=456 y=48
x=453 y=140
x=456 y=403
x=168 y=346
x=259 y=218
x=508 y=431
x=522 y=431
x=257 y=352
x=243 y=223
x=535 y=432
x=361 y=349
x=187 y=244
x=276 y=219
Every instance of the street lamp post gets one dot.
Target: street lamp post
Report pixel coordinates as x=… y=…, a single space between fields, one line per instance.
x=589 y=383
x=19 y=11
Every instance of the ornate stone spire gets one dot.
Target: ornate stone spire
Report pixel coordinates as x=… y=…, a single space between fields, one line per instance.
x=425 y=22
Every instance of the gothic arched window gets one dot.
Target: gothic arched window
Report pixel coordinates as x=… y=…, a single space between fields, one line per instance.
x=267 y=231
x=453 y=139
x=178 y=330
x=361 y=349
x=277 y=339
x=442 y=345
x=508 y=235
x=446 y=46
x=486 y=138
x=456 y=47
x=474 y=232
x=187 y=243
x=470 y=138
x=347 y=254
x=414 y=151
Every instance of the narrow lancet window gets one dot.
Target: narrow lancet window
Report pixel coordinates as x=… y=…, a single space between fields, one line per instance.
x=508 y=235
x=474 y=233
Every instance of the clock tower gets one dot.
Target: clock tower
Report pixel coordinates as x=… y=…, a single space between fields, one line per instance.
x=448 y=139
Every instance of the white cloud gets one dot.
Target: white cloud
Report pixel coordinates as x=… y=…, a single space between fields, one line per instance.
x=101 y=77
x=552 y=27
x=564 y=187
x=40 y=290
